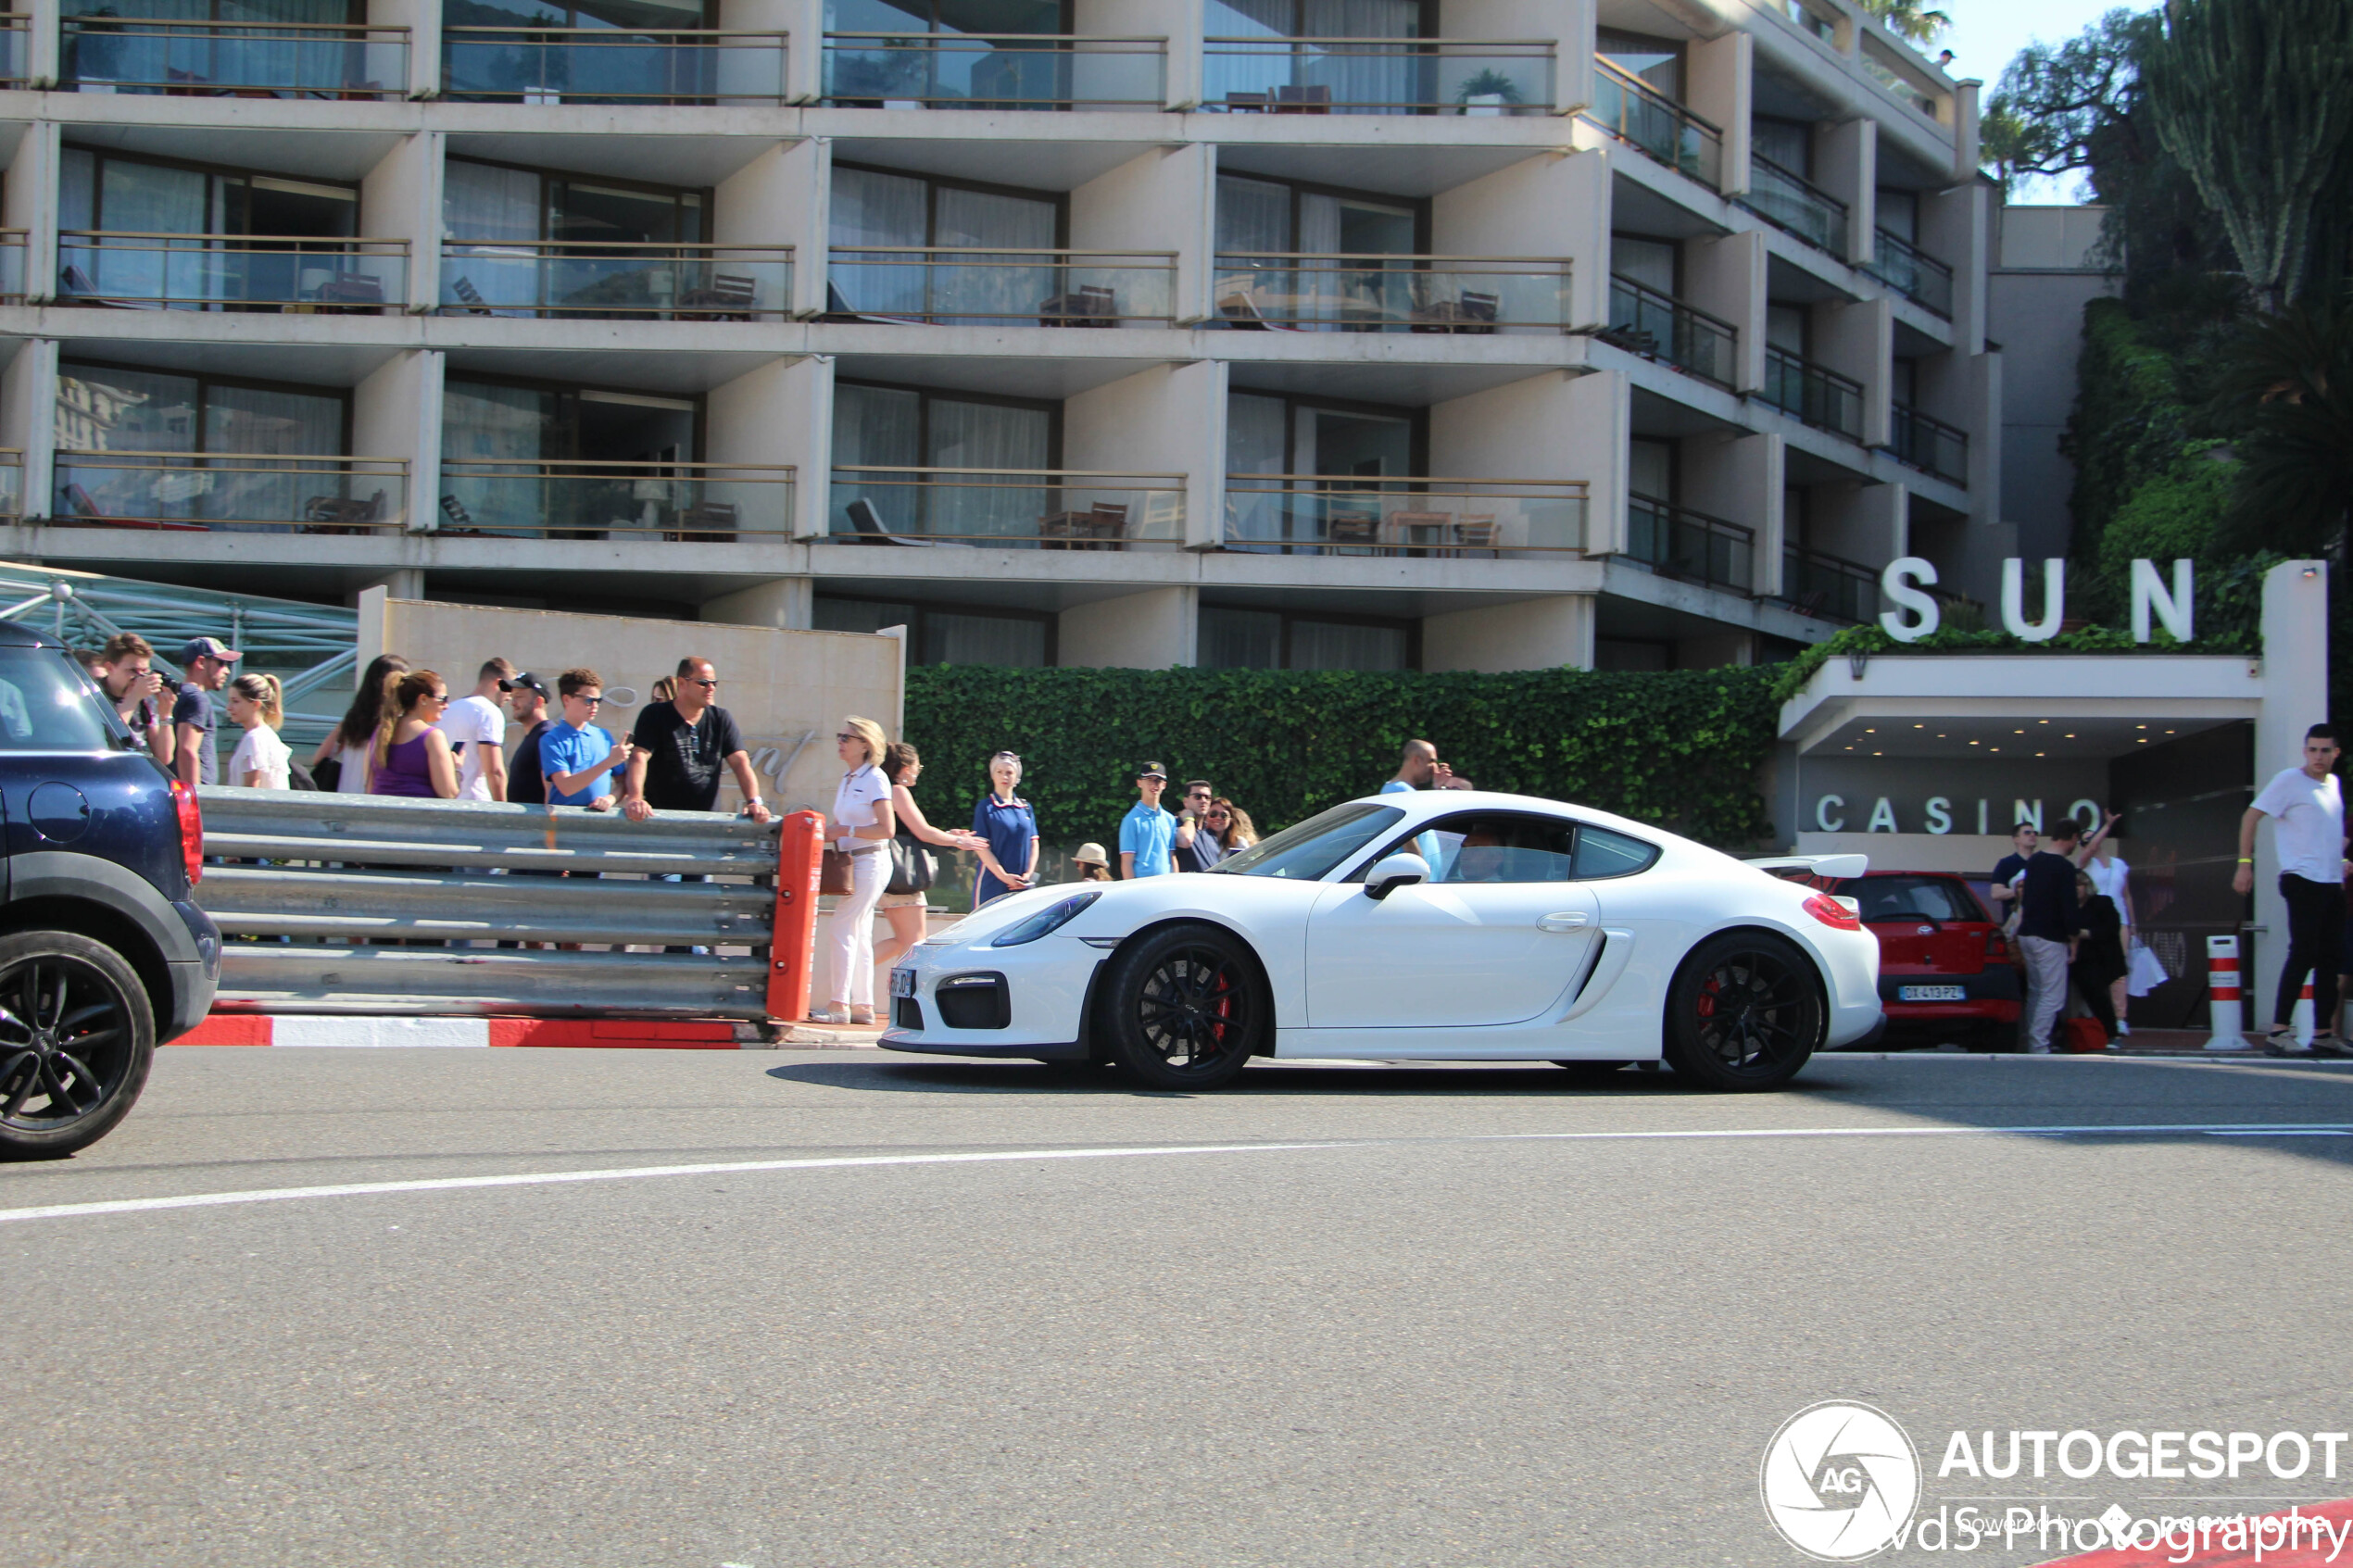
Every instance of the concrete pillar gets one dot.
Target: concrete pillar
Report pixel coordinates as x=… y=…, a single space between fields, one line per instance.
x=422 y=19
x=746 y=74
x=771 y=201
x=29 y=421
x=1553 y=203
x=1159 y=629
x=1158 y=200
x=1869 y=524
x=1858 y=342
x=1847 y=164
x=396 y=416
x=1739 y=478
x=42 y=44
x=400 y=199
x=2296 y=696
x=1546 y=633
x=746 y=422
x=1722 y=91
x=1956 y=228
x=788 y=604
x=1725 y=277
x=1966 y=155
x=1158 y=438
x=805 y=53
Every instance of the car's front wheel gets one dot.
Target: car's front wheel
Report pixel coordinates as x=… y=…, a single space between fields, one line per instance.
x=76 y=1038
x=1185 y=1008
x=1746 y=1012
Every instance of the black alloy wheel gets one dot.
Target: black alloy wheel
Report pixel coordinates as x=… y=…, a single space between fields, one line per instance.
x=1186 y=1008
x=76 y=1037
x=1746 y=1012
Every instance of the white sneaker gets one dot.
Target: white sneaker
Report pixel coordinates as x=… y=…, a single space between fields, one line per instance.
x=2122 y=1027
x=2038 y=1050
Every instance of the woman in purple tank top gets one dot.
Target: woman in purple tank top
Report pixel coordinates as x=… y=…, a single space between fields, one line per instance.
x=409 y=756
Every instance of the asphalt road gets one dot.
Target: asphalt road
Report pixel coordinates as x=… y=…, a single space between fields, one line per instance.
x=1447 y=1335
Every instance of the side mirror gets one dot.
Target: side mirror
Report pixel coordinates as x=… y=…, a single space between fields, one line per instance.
x=1392 y=871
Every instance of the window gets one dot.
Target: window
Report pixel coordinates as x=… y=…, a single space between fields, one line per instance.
x=160 y=428
x=99 y=193
x=1307 y=851
x=1788 y=145
x=948 y=634
x=1899 y=214
x=45 y=707
x=889 y=67
x=875 y=207
x=1320 y=18
x=1267 y=639
x=1658 y=62
x=1912 y=898
x=947 y=436
x=1259 y=215
x=1334 y=448
x=509 y=448
x=1491 y=847
x=1648 y=262
x=494 y=216
x=1602 y=853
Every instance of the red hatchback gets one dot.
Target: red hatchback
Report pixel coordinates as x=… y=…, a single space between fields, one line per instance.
x=1945 y=969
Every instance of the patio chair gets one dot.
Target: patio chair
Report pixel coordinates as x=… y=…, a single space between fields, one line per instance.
x=357 y=293
x=470 y=296
x=460 y=519
x=1415 y=532
x=1242 y=314
x=1086 y=306
x=336 y=514
x=1475 y=533
x=86 y=512
x=729 y=297
x=839 y=309
x=1353 y=531
x=869 y=524
x=1302 y=100
x=708 y=522
x=1249 y=103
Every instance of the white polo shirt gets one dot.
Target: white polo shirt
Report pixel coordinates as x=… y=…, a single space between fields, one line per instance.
x=854 y=800
x=2309 y=818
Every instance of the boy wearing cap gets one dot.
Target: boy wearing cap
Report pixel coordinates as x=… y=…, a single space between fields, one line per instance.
x=1147 y=834
x=209 y=663
x=476 y=726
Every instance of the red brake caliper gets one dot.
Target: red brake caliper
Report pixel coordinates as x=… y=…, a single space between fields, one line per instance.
x=1707 y=995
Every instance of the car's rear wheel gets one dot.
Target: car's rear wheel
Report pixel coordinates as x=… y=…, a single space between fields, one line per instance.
x=1746 y=1012
x=1185 y=1008
x=76 y=1037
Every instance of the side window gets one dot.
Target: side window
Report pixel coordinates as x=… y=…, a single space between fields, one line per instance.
x=45 y=706
x=1601 y=853
x=1489 y=847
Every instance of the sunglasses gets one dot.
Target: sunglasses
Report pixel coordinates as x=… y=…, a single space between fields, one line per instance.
x=582 y=697
x=846 y=737
x=703 y=684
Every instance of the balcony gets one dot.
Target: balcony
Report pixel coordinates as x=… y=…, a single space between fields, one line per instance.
x=1790 y=204
x=587 y=499
x=1659 y=326
x=1642 y=116
x=11 y=266
x=1031 y=70
x=1678 y=541
x=1819 y=396
x=947 y=285
x=1391 y=293
x=1912 y=272
x=558 y=65
x=295 y=274
x=1930 y=445
x=219 y=60
x=1335 y=514
x=229 y=493
x=1017 y=509
x=1374 y=76
x=1827 y=586
x=616 y=280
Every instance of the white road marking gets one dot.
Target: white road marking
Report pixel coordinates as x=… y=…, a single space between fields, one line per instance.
x=745 y=1167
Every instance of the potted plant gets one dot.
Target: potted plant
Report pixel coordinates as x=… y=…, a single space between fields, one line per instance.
x=1486 y=92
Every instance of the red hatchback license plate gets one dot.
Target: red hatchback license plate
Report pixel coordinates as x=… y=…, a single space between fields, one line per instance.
x=1931 y=994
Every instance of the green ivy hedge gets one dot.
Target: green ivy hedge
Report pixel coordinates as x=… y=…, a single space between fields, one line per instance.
x=1679 y=748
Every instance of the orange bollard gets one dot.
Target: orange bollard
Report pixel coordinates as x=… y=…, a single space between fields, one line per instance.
x=800 y=858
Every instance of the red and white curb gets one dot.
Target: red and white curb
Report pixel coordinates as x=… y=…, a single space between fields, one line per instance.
x=257 y=1029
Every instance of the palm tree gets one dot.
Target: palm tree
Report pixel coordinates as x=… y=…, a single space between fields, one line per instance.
x=2286 y=386
x=1910 y=20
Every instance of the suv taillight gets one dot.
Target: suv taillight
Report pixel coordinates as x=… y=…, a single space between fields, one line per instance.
x=184 y=800
x=1832 y=913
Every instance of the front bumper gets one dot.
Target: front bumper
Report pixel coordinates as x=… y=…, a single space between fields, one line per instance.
x=1047 y=986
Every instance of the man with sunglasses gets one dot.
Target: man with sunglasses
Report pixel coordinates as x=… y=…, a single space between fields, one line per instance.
x=678 y=747
x=476 y=726
x=1196 y=847
x=577 y=755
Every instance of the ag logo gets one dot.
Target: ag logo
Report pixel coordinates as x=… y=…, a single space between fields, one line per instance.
x=1839 y=1481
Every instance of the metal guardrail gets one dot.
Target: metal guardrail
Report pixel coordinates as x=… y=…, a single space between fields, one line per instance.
x=372 y=904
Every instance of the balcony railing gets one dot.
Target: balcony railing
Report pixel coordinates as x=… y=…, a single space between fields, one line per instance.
x=1912 y=272
x=301 y=273
x=1029 y=70
x=1676 y=542
x=737 y=283
x=1820 y=398
x=11 y=266
x=1001 y=288
x=1375 y=76
x=1391 y=293
x=1338 y=515
x=590 y=498
x=198 y=60
x=229 y=493
x=1640 y=116
x=1019 y=509
x=1816 y=582
x=12 y=49
x=1659 y=326
x=560 y=65
x=1929 y=444
x=1788 y=201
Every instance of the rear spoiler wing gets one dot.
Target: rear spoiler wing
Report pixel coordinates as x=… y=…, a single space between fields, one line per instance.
x=1837 y=866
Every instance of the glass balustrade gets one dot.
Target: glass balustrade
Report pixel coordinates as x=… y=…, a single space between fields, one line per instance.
x=1816 y=582
x=1638 y=113
x=1392 y=294
x=1912 y=272
x=229 y=493
x=1335 y=515
x=1019 y=509
x=738 y=282
x=1819 y=396
x=12 y=266
x=1929 y=444
x=590 y=498
x=195 y=59
x=299 y=274
x=1678 y=541
x=1031 y=70
x=606 y=65
x=11 y=485
x=1661 y=327
x=1375 y=76
x=1001 y=288
x=12 y=49
x=1789 y=203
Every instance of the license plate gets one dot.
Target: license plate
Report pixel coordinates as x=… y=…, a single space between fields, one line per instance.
x=903 y=983
x=1930 y=994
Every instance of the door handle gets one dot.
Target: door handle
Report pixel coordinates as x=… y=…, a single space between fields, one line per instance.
x=1568 y=920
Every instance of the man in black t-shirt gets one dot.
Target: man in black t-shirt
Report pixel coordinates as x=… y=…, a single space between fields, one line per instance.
x=679 y=746
x=526 y=783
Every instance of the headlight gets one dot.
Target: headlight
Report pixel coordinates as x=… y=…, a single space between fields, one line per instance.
x=1051 y=918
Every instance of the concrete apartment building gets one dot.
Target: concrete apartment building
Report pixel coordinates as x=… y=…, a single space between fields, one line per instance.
x=1451 y=334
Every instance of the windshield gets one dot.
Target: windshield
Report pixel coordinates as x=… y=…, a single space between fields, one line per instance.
x=1307 y=851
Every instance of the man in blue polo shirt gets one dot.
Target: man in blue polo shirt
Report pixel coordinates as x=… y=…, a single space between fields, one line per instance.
x=578 y=755
x=1147 y=834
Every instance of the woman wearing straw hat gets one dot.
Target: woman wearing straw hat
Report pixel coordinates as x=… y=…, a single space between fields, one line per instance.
x=1092 y=863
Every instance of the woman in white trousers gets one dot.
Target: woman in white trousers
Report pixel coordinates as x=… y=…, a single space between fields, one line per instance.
x=861 y=825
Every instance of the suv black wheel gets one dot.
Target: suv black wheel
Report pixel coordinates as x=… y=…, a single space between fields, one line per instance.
x=76 y=1037
x=1744 y=1012
x=1185 y=1008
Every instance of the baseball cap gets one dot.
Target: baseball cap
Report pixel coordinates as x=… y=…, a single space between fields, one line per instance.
x=526 y=681
x=209 y=648
x=1153 y=770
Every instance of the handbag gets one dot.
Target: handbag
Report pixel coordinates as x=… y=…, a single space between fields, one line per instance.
x=2145 y=972
x=912 y=867
x=326 y=775
x=833 y=874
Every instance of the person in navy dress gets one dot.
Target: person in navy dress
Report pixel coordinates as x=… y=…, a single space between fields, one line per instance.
x=1008 y=829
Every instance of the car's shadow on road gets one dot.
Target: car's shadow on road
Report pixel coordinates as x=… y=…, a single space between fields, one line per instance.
x=1446 y=1079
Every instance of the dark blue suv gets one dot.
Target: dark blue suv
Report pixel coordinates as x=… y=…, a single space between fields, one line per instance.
x=102 y=952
